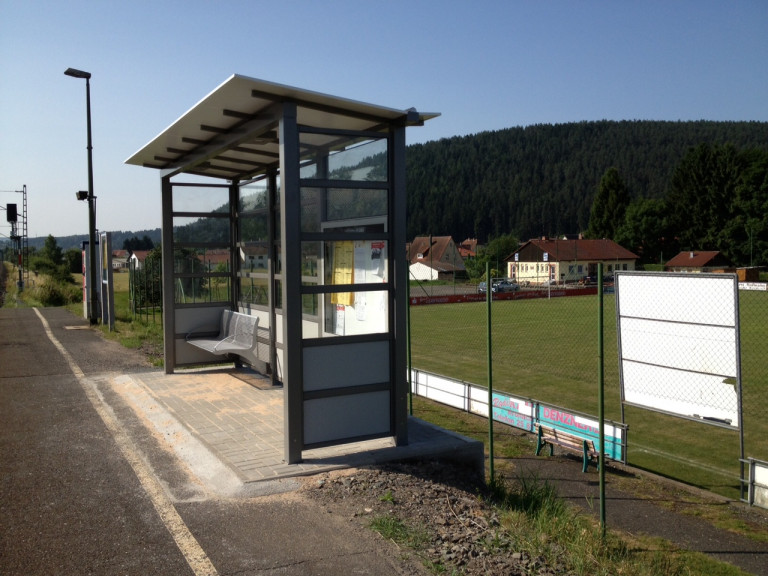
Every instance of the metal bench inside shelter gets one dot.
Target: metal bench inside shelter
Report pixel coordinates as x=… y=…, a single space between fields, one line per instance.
x=237 y=335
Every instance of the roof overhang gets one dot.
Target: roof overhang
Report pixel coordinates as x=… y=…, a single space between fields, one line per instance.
x=232 y=133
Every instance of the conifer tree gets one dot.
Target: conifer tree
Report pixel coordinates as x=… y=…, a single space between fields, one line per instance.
x=609 y=206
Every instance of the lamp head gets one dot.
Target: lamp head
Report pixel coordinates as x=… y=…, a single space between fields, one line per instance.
x=75 y=73
x=82 y=194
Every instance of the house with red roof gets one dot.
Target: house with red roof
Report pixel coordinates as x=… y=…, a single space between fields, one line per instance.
x=137 y=258
x=698 y=261
x=563 y=260
x=468 y=248
x=433 y=257
x=120 y=259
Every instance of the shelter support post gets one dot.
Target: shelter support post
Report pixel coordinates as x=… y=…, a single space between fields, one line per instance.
x=169 y=322
x=399 y=352
x=291 y=278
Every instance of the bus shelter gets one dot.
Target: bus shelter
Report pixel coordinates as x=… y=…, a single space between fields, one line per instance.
x=289 y=206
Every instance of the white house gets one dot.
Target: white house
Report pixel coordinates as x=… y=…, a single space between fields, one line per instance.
x=567 y=260
x=433 y=257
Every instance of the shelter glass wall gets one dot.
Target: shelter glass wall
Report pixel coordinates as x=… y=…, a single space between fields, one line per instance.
x=202 y=231
x=258 y=267
x=198 y=229
x=346 y=228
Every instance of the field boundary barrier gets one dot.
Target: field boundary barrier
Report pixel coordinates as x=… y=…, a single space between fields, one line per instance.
x=522 y=413
x=757 y=483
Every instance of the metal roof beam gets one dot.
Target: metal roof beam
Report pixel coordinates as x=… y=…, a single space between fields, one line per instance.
x=245 y=150
x=239 y=134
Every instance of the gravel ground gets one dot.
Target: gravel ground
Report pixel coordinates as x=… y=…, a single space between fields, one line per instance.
x=441 y=503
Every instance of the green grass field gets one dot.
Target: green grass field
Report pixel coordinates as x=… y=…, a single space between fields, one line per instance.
x=547 y=350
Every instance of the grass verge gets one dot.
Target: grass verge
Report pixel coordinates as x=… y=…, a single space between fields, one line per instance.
x=510 y=443
x=540 y=525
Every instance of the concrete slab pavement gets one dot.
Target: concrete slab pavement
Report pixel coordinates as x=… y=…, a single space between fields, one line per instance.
x=238 y=416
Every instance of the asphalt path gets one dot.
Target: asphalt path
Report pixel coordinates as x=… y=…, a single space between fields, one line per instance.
x=88 y=488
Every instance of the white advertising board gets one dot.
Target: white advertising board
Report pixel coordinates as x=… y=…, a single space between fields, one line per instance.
x=679 y=344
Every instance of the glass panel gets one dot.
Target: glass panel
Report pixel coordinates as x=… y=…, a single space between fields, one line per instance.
x=208 y=230
x=278 y=216
x=187 y=261
x=253 y=196
x=200 y=199
x=190 y=290
x=254 y=257
x=365 y=161
x=309 y=304
x=214 y=260
x=308 y=169
x=311 y=254
x=344 y=203
x=209 y=280
x=254 y=228
x=356 y=313
x=355 y=262
x=311 y=209
x=254 y=291
x=361 y=159
x=320 y=205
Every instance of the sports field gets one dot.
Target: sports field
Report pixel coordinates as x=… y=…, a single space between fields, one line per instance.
x=547 y=350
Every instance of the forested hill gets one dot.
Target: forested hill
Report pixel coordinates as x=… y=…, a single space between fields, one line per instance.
x=541 y=180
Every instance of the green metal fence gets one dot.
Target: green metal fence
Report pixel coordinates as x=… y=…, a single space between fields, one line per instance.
x=545 y=347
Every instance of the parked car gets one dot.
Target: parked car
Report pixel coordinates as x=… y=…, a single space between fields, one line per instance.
x=482 y=288
x=503 y=286
x=592 y=280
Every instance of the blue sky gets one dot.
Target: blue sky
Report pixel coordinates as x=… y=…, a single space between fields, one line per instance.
x=482 y=65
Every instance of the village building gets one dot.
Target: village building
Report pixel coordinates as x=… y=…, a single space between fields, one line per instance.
x=701 y=261
x=120 y=260
x=434 y=257
x=136 y=261
x=560 y=261
x=468 y=248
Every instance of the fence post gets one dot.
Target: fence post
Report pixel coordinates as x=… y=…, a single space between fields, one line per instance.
x=600 y=398
x=488 y=299
x=131 y=290
x=408 y=340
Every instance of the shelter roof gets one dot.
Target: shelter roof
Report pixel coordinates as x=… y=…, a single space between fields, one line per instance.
x=232 y=132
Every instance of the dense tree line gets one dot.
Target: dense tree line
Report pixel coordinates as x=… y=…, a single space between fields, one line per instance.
x=542 y=180
x=717 y=200
x=654 y=187
x=119 y=238
x=135 y=243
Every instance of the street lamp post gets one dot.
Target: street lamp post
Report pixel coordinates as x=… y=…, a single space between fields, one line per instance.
x=93 y=303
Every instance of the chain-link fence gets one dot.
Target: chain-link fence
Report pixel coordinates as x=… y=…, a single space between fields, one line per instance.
x=544 y=343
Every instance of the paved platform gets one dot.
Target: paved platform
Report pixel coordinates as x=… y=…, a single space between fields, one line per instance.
x=238 y=416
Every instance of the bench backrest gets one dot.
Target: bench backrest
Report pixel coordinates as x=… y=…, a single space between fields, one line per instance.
x=241 y=327
x=566 y=437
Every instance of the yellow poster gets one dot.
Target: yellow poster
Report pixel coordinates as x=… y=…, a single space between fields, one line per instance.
x=343 y=265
